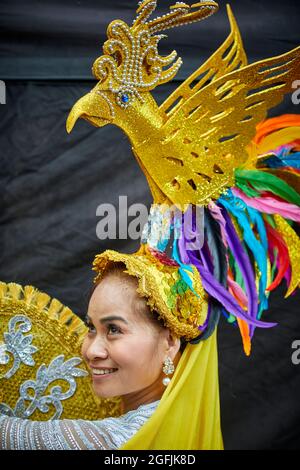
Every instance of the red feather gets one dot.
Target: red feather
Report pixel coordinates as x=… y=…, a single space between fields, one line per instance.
x=283 y=259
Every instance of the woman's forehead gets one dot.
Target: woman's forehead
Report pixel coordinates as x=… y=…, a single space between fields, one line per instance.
x=114 y=293
x=120 y=283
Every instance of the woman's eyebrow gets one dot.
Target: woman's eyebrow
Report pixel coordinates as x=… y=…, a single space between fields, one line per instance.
x=113 y=318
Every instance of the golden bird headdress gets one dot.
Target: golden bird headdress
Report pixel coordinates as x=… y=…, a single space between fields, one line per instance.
x=206 y=146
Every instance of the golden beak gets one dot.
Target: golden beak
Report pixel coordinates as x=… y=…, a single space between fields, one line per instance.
x=93 y=107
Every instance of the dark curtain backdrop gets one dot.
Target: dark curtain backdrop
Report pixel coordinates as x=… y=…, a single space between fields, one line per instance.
x=52 y=182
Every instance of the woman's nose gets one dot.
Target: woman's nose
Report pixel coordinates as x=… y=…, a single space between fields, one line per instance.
x=96 y=349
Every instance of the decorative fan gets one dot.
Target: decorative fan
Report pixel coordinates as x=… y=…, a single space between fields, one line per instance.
x=42 y=375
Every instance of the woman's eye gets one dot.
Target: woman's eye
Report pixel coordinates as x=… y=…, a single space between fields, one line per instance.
x=113 y=329
x=91 y=328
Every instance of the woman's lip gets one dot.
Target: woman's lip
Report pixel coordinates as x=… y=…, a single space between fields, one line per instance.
x=101 y=368
x=101 y=376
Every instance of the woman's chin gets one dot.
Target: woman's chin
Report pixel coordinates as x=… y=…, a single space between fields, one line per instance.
x=103 y=392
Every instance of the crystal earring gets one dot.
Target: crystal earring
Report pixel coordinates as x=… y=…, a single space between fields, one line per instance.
x=168 y=369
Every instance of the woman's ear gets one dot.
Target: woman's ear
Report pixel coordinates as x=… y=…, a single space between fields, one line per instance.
x=173 y=344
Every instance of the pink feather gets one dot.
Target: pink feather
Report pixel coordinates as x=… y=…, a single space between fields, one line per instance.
x=270 y=205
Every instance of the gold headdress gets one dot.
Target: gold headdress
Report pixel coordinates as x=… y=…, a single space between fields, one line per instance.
x=182 y=310
x=199 y=149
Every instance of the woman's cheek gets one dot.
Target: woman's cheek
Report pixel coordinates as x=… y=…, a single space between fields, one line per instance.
x=84 y=347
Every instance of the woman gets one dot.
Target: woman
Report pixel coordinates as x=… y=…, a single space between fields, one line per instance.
x=130 y=353
x=123 y=337
x=249 y=193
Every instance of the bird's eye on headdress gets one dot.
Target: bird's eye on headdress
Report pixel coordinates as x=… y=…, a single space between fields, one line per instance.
x=125 y=97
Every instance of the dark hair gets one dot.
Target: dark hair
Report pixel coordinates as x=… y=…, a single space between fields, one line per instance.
x=153 y=316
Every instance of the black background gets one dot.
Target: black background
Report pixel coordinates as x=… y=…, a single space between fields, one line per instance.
x=52 y=182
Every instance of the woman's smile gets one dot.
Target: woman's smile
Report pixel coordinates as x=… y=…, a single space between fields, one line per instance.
x=98 y=373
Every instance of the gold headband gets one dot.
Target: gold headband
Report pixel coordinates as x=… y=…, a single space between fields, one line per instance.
x=160 y=282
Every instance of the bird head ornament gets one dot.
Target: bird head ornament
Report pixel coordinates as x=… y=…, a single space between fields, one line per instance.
x=131 y=66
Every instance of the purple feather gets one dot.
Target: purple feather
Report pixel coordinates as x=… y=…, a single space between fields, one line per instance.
x=244 y=264
x=216 y=290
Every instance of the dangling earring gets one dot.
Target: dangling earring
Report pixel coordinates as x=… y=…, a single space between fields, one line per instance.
x=168 y=369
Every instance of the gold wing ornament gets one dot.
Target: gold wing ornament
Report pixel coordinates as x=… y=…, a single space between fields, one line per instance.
x=205 y=138
x=42 y=374
x=230 y=56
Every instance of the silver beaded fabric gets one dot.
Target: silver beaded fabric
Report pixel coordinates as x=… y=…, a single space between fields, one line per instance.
x=65 y=434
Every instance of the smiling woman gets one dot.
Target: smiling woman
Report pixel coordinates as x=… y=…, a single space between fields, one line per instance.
x=133 y=353
x=123 y=336
x=153 y=314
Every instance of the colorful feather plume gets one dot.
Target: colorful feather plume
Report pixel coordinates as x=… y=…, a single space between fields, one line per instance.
x=263 y=206
x=249 y=245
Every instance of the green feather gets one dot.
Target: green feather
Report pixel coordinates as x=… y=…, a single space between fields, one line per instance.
x=270 y=219
x=263 y=181
x=250 y=192
x=231 y=318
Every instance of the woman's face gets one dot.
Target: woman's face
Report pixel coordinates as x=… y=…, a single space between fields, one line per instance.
x=123 y=349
